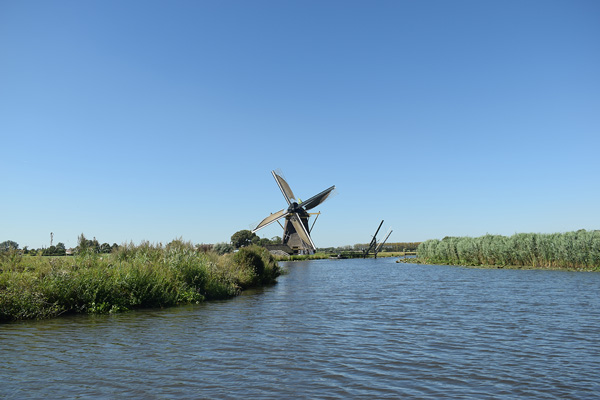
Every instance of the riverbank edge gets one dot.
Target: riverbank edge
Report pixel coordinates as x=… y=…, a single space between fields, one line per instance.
x=521 y=267
x=135 y=277
x=336 y=256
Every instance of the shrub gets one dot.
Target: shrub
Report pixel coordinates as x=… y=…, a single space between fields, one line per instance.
x=222 y=248
x=249 y=257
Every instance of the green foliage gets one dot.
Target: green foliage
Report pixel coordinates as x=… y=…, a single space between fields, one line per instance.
x=243 y=238
x=204 y=247
x=131 y=277
x=83 y=245
x=251 y=265
x=8 y=245
x=395 y=247
x=572 y=250
x=255 y=265
x=222 y=248
x=58 y=250
x=11 y=259
x=271 y=269
x=86 y=246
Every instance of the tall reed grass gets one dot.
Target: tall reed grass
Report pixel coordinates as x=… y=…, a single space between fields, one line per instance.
x=572 y=250
x=132 y=277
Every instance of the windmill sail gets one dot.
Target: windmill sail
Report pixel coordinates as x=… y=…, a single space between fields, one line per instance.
x=270 y=219
x=285 y=188
x=317 y=199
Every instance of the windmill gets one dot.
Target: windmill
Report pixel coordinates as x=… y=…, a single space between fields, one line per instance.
x=296 y=233
x=374 y=246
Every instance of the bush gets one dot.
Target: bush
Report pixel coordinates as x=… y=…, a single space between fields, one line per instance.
x=249 y=257
x=222 y=248
x=256 y=265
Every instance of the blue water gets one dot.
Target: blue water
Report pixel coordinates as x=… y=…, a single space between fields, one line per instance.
x=330 y=329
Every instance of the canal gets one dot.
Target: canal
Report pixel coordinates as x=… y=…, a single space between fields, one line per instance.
x=330 y=329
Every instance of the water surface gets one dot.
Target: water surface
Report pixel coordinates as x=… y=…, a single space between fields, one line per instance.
x=330 y=329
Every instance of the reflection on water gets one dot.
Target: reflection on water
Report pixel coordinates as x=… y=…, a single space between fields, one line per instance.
x=330 y=329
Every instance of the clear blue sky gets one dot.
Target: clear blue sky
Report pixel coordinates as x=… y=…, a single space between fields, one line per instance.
x=153 y=120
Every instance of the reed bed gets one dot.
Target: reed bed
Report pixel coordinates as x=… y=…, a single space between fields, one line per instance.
x=578 y=250
x=143 y=276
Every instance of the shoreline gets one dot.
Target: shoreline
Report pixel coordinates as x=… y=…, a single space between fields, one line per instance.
x=340 y=256
x=487 y=266
x=134 y=277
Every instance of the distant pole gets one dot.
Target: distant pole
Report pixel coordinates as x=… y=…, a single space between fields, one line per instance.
x=51 y=238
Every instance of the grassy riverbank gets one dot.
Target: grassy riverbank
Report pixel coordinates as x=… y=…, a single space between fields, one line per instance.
x=571 y=250
x=133 y=277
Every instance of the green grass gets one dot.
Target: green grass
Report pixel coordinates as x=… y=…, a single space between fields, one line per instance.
x=571 y=250
x=133 y=277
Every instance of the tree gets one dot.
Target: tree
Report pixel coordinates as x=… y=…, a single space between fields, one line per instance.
x=204 y=248
x=243 y=238
x=95 y=245
x=60 y=249
x=83 y=245
x=9 y=245
x=263 y=242
x=50 y=251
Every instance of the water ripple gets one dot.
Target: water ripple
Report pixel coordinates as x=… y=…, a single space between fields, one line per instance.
x=330 y=329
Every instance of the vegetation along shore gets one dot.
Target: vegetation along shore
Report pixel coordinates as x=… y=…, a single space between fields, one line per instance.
x=127 y=277
x=578 y=250
x=130 y=277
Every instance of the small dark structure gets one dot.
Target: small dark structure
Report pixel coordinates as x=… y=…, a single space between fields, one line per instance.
x=374 y=246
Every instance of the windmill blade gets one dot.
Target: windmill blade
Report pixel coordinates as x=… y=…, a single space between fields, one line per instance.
x=301 y=230
x=270 y=219
x=285 y=188
x=317 y=199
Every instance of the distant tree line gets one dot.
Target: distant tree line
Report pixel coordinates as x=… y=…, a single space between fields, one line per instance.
x=93 y=246
x=388 y=247
x=399 y=246
x=60 y=249
x=239 y=239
